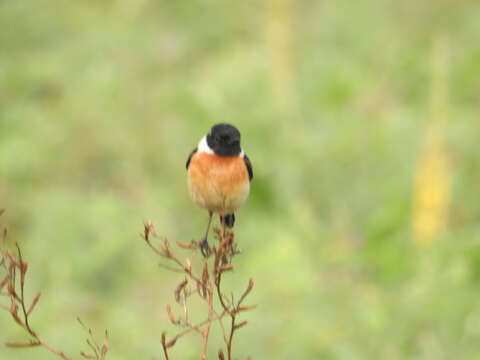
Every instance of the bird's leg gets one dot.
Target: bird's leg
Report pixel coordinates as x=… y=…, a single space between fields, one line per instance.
x=204 y=247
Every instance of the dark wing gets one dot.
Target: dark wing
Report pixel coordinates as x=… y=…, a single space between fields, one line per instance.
x=248 y=164
x=190 y=157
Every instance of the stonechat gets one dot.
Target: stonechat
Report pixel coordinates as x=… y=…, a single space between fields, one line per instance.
x=219 y=176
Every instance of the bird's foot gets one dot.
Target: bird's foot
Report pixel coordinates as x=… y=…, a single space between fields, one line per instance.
x=205 y=248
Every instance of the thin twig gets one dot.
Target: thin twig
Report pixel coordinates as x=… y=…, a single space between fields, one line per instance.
x=207 y=285
x=11 y=264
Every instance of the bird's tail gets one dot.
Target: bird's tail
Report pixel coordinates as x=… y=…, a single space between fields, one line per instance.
x=228 y=220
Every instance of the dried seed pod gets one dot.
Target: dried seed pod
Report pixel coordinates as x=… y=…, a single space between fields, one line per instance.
x=242 y=324
x=227 y=267
x=190 y=245
x=147 y=230
x=170 y=315
x=34 y=303
x=179 y=289
x=221 y=355
x=171 y=343
x=23 y=345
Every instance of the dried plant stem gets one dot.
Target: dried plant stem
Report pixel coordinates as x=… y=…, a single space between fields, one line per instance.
x=197 y=327
x=206 y=331
x=11 y=265
x=15 y=269
x=233 y=311
x=207 y=286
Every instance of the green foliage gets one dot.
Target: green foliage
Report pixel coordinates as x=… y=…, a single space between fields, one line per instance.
x=101 y=103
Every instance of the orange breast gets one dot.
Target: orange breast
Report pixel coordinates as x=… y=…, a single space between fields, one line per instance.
x=218 y=183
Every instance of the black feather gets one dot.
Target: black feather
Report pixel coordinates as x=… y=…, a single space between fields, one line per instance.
x=248 y=164
x=190 y=157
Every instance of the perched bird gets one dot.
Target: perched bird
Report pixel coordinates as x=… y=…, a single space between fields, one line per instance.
x=219 y=176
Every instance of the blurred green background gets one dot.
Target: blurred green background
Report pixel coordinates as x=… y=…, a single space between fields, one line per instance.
x=361 y=118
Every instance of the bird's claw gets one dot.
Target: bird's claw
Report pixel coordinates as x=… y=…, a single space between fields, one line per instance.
x=205 y=248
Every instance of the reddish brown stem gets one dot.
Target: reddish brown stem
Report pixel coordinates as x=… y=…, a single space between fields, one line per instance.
x=208 y=286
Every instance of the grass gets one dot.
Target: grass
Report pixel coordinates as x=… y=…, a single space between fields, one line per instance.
x=101 y=103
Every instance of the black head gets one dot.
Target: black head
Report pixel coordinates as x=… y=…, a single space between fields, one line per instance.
x=224 y=140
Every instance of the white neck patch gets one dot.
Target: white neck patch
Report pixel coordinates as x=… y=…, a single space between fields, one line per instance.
x=203 y=146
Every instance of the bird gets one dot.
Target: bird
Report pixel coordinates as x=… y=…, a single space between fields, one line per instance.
x=219 y=174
